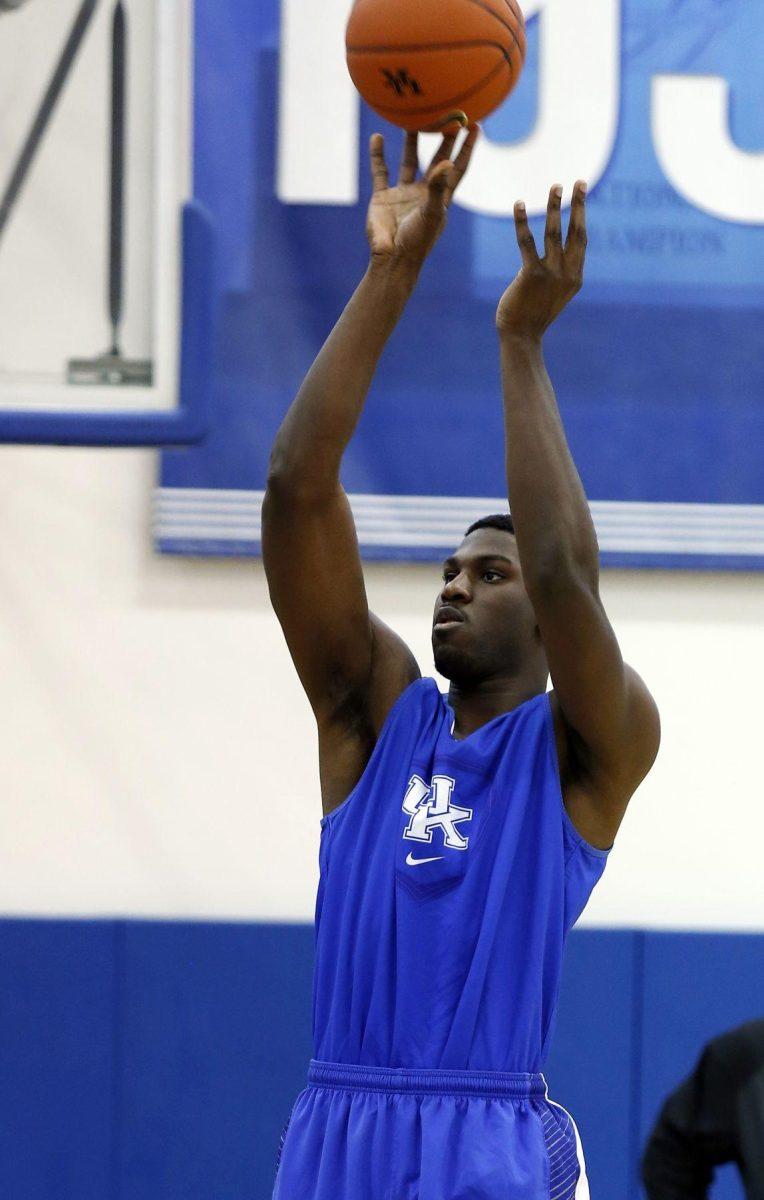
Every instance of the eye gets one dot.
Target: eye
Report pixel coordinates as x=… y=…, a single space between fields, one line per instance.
x=447 y=575
x=496 y=574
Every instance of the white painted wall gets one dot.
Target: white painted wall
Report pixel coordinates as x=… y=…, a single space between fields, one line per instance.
x=158 y=757
x=54 y=252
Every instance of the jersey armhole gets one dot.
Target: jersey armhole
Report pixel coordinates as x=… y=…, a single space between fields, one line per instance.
x=329 y=817
x=579 y=840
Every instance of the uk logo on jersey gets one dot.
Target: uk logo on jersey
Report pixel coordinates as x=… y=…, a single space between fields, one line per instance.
x=430 y=807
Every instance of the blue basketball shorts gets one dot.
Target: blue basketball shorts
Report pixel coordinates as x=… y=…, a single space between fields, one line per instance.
x=384 y=1133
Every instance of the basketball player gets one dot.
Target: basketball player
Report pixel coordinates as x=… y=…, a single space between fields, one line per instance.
x=462 y=833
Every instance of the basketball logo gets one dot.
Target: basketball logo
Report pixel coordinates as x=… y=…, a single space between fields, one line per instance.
x=401 y=82
x=430 y=808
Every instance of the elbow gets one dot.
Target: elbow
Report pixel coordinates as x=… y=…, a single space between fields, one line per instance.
x=560 y=570
x=277 y=479
x=281 y=467
x=279 y=484
x=289 y=484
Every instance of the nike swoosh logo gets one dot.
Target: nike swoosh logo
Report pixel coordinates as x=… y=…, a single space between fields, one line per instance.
x=414 y=862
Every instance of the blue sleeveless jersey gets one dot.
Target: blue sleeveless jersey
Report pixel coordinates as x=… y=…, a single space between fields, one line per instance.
x=449 y=880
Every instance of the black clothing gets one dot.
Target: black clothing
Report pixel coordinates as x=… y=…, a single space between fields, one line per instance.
x=716 y=1116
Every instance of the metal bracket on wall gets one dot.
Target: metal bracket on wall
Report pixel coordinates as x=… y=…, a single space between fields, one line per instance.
x=186 y=425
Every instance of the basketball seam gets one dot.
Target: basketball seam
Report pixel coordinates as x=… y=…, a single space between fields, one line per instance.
x=417 y=112
x=484 y=6
x=407 y=47
x=515 y=9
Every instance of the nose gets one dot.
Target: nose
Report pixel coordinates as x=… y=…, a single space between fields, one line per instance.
x=456 y=588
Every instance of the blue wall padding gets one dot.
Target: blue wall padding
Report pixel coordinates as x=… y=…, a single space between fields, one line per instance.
x=216 y=1040
x=590 y=1068
x=146 y=1060
x=57 y=1003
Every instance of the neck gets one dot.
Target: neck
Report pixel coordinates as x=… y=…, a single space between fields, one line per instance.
x=476 y=704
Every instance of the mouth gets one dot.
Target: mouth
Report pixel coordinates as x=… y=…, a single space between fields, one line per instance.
x=447 y=618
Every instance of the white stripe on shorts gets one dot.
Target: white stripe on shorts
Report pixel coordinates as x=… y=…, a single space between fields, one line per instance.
x=559 y=1187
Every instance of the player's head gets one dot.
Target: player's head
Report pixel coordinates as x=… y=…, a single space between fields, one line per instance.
x=494 y=633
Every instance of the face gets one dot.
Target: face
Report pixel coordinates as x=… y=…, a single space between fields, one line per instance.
x=484 y=625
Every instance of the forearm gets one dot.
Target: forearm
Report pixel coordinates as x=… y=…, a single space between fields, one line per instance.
x=555 y=533
x=678 y=1158
x=697 y=1128
x=671 y=1170
x=322 y=418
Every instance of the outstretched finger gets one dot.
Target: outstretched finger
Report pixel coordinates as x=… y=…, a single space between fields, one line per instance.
x=553 y=231
x=443 y=152
x=379 y=173
x=462 y=160
x=575 y=246
x=525 y=239
x=438 y=186
x=410 y=159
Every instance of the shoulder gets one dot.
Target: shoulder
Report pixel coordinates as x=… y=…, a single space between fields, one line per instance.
x=739 y=1051
x=596 y=795
x=638 y=750
x=393 y=669
x=347 y=737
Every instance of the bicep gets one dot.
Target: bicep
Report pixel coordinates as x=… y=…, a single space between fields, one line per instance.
x=347 y=737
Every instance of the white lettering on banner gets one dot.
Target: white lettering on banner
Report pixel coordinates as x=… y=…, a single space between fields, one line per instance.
x=430 y=808
x=692 y=140
x=319 y=109
x=574 y=136
x=578 y=107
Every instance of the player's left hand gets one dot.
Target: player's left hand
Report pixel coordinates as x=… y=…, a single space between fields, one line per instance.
x=545 y=285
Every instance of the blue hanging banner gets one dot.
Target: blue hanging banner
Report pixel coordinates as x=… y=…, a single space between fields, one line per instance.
x=658 y=364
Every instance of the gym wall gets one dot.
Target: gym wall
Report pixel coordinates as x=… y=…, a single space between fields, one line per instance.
x=160 y=808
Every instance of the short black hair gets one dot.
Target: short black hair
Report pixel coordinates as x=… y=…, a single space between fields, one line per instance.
x=497 y=521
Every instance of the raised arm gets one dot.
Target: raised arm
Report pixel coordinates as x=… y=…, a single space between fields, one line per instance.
x=351 y=665
x=606 y=721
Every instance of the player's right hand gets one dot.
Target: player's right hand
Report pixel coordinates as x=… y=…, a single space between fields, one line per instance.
x=405 y=221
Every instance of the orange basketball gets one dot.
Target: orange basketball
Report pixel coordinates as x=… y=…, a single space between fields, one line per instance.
x=431 y=65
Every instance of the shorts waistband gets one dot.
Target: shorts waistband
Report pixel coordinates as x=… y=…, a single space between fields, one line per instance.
x=437 y=1080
